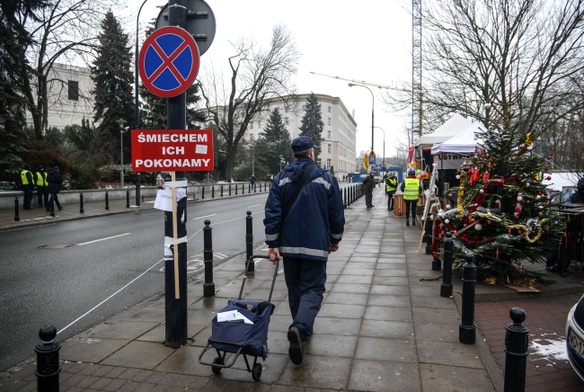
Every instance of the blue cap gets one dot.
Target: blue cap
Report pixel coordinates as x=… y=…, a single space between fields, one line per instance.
x=302 y=143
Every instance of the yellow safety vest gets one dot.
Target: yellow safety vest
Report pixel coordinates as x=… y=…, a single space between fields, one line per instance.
x=391 y=184
x=24 y=178
x=41 y=179
x=411 y=189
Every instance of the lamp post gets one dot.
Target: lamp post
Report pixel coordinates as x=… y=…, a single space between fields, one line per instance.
x=137 y=95
x=122 y=130
x=372 y=109
x=382 y=130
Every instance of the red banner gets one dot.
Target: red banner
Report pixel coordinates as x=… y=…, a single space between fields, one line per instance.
x=172 y=150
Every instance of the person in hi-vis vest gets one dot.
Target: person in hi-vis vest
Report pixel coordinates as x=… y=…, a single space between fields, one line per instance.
x=42 y=187
x=411 y=189
x=390 y=188
x=27 y=182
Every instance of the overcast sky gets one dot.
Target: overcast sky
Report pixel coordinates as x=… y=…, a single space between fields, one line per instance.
x=366 y=40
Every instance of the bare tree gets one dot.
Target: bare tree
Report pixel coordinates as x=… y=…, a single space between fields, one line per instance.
x=509 y=63
x=256 y=76
x=62 y=30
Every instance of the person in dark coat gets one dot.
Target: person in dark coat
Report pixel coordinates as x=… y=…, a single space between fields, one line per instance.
x=304 y=222
x=369 y=184
x=55 y=180
x=578 y=196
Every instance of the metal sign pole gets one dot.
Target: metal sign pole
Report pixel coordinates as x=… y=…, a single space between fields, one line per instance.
x=175 y=221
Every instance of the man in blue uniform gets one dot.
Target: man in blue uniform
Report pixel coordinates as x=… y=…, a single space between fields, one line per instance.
x=304 y=222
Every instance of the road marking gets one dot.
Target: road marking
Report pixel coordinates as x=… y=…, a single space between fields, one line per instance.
x=255 y=205
x=103 y=239
x=203 y=217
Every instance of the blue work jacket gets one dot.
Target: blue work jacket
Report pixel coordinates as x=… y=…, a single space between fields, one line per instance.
x=314 y=221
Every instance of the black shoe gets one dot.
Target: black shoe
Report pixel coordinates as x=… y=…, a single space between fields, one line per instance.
x=60 y=208
x=296 y=351
x=414 y=222
x=407 y=223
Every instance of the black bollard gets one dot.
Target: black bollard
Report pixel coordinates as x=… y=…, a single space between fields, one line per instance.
x=48 y=367
x=249 y=242
x=127 y=199
x=138 y=189
x=516 y=343
x=81 y=210
x=428 y=234
x=446 y=287
x=212 y=191
x=229 y=189
x=203 y=192
x=106 y=201
x=221 y=190
x=236 y=189
x=208 y=286
x=467 y=329
x=16 y=210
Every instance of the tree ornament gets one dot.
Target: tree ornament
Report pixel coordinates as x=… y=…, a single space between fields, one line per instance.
x=478 y=227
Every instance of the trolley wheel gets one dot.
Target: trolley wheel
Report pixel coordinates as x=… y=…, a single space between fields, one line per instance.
x=256 y=372
x=217 y=361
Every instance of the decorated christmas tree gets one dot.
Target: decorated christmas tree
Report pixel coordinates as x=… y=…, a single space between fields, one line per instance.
x=501 y=212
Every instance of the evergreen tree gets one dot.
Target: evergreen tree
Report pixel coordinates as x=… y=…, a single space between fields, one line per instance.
x=13 y=69
x=312 y=125
x=113 y=78
x=273 y=146
x=503 y=214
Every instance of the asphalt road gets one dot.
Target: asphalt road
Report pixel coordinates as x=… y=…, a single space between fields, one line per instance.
x=76 y=274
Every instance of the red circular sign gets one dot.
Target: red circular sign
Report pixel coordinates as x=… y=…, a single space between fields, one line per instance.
x=169 y=61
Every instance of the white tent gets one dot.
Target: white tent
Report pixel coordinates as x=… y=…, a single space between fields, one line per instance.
x=450 y=128
x=463 y=143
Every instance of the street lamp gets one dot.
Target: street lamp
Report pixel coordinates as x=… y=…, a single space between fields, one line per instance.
x=136 y=95
x=122 y=130
x=372 y=109
x=382 y=130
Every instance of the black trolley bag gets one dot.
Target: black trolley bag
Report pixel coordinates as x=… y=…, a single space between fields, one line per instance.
x=238 y=338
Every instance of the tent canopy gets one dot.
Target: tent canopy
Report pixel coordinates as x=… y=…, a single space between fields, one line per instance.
x=450 y=128
x=464 y=142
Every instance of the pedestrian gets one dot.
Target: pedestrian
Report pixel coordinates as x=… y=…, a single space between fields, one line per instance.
x=304 y=222
x=390 y=188
x=41 y=187
x=252 y=182
x=411 y=189
x=55 y=180
x=27 y=183
x=159 y=181
x=578 y=196
x=369 y=184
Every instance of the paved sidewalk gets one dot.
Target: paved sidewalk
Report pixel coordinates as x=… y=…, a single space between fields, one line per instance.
x=383 y=327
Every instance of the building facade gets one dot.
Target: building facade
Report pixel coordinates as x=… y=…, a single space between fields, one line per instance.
x=338 y=149
x=69 y=96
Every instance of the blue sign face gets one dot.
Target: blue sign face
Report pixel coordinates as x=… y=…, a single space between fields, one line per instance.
x=169 y=61
x=372 y=160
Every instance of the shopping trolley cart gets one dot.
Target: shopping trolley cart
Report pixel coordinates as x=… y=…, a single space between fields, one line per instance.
x=241 y=328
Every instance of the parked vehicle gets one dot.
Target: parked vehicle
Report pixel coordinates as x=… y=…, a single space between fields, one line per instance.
x=575 y=337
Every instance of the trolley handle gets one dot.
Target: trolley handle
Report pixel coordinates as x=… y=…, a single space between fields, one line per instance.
x=247 y=264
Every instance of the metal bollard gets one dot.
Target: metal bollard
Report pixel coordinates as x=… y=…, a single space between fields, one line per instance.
x=106 y=201
x=81 y=210
x=467 y=329
x=236 y=188
x=428 y=233
x=16 y=210
x=203 y=192
x=128 y=199
x=221 y=190
x=208 y=286
x=516 y=344
x=249 y=242
x=48 y=367
x=229 y=189
x=212 y=191
x=446 y=287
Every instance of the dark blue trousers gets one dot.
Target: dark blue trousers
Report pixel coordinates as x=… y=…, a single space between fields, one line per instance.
x=306 y=280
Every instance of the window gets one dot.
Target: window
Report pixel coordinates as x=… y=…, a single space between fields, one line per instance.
x=330 y=109
x=329 y=148
x=73 y=90
x=329 y=121
x=328 y=134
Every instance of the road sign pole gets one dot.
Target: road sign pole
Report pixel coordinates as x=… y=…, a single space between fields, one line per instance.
x=176 y=280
